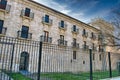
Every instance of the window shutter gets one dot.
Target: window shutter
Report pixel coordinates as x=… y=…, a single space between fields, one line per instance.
x=8 y=8
x=23 y=12
x=31 y=15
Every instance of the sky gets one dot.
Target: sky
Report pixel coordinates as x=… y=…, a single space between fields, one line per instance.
x=83 y=10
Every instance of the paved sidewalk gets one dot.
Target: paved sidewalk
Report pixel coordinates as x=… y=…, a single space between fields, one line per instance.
x=116 y=78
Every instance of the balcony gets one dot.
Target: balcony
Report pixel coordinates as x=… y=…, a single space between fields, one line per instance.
x=75 y=31
x=94 y=48
x=100 y=37
x=47 y=22
x=3 y=31
x=93 y=37
x=85 y=34
x=62 y=42
x=85 y=47
x=75 y=45
x=27 y=15
x=101 y=50
x=5 y=8
x=62 y=27
x=45 y=39
x=24 y=35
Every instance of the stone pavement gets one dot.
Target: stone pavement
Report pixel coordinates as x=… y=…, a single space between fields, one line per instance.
x=116 y=78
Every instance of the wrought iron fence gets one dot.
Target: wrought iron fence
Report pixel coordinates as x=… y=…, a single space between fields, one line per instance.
x=45 y=61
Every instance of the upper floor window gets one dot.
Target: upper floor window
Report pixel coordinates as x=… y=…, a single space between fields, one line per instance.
x=84 y=42
x=84 y=31
x=74 y=27
x=74 y=54
x=2 y=29
x=27 y=12
x=62 y=24
x=61 y=37
x=74 y=40
x=47 y=18
x=3 y=4
x=1 y=25
x=24 y=32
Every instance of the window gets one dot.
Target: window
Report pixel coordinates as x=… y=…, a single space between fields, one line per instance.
x=84 y=31
x=83 y=62
x=3 y=4
x=46 y=35
x=93 y=57
x=62 y=24
x=27 y=12
x=74 y=54
x=1 y=25
x=74 y=40
x=74 y=28
x=61 y=37
x=93 y=46
x=47 y=18
x=85 y=43
x=92 y=34
x=100 y=57
x=24 y=32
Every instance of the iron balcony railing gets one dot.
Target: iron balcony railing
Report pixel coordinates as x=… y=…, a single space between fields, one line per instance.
x=45 y=39
x=3 y=31
x=75 y=45
x=75 y=30
x=27 y=35
x=62 y=42
x=4 y=7
x=85 y=47
x=85 y=34
x=94 y=48
x=93 y=37
x=27 y=15
x=48 y=22
x=64 y=27
x=100 y=37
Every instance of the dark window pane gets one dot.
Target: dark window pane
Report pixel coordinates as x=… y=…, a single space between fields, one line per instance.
x=74 y=54
x=24 y=32
x=84 y=31
x=3 y=4
x=74 y=27
x=47 y=18
x=62 y=23
x=1 y=26
x=27 y=12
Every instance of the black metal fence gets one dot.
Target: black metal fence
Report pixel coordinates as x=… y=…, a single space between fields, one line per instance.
x=34 y=60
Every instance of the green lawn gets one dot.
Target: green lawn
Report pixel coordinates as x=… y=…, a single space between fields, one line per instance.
x=68 y=76
x=18 y=76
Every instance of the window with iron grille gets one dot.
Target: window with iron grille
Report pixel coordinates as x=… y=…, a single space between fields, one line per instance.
x=74 y=54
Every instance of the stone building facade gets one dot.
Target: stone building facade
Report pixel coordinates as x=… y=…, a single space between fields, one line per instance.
x=29 y=20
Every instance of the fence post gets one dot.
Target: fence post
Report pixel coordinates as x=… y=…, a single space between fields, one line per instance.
x=12 y=58
x=109 y=60
x=39 y=60
x=91 y=72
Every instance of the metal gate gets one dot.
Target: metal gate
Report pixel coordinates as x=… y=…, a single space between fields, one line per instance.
x=13 y=60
